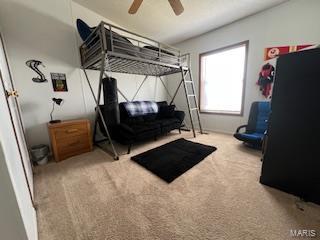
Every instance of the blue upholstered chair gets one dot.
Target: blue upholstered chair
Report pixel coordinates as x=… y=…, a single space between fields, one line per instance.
x=257 y=125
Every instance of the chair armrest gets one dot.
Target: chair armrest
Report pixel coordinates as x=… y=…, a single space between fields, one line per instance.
x=180 y=115
x=242 y=126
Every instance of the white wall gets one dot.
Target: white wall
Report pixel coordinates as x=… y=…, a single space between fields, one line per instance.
x=45 y=30
x=292 y=23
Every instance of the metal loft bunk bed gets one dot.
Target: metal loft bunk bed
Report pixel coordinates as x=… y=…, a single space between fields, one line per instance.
x=112 y=49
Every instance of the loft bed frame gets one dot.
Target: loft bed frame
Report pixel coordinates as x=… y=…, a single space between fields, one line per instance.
x=113 y=49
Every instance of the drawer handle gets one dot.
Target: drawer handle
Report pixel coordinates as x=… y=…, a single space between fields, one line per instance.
x=74 y=143
x=72 y=130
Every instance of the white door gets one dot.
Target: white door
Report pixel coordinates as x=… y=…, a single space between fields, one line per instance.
x=15 y=150
x=15 y=115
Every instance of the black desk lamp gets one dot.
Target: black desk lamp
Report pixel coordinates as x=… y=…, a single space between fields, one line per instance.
x=57 y=101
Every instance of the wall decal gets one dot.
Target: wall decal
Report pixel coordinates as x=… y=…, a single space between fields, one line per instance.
x=59 y=82
x=33 y=64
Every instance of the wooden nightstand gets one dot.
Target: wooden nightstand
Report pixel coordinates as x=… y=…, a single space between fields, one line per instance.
x=70 y=138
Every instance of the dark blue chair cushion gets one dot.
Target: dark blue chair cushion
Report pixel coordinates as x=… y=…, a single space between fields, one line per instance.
x=257 y=124
x=249 y=137
x=262 y=118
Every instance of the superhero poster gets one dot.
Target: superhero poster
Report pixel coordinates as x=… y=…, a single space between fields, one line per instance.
x=273 y=52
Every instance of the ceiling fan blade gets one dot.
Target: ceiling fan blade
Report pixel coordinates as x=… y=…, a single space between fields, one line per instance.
x=135 y=6
x=176 y=6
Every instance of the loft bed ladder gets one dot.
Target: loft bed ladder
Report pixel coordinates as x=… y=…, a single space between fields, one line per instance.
x=110 y=61
x=191 y=97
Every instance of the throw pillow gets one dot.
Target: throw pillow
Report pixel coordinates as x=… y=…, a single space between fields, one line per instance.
x=167 y=111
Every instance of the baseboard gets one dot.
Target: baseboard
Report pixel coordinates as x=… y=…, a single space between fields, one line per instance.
x=214 y=131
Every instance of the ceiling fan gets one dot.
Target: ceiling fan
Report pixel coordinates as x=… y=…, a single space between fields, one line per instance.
x=175 y=4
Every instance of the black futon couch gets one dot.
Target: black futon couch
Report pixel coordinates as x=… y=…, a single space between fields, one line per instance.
x=142 y=120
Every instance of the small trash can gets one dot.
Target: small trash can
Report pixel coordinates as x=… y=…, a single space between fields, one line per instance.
x=40 y=153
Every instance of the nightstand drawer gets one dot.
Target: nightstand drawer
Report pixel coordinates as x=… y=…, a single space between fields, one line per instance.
x=70 y=131
x=73 y=145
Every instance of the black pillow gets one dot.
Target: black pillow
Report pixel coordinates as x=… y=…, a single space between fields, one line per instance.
x=167 y=111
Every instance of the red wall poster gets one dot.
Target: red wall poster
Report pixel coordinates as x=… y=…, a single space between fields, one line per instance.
x=272 y=52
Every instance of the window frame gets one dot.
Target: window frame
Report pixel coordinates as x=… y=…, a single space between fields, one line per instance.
x=229 y=47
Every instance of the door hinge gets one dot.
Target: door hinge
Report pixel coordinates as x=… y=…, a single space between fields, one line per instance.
x=13 y=93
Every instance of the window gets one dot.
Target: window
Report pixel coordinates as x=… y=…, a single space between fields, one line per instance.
x=222 y=79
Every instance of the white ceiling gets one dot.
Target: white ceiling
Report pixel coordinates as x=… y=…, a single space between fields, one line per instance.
x=155 y=18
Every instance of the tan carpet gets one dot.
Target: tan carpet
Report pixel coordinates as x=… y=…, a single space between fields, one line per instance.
x=92 y=197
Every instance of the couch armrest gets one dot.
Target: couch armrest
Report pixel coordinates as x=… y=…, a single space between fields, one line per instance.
x=180 y=115
x=242 y=126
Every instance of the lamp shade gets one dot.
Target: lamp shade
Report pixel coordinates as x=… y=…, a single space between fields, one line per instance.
x=57 y=101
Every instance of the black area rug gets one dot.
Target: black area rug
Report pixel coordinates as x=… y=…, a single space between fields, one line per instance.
x=171 y=160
